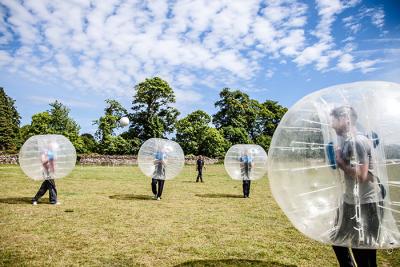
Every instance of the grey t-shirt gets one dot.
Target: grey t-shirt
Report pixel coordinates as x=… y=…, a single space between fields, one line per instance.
x=356 y=151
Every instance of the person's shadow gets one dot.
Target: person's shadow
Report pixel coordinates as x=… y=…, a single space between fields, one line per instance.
x=232 y=263
x=219 y=195
x=131 y=197
x=16 y=200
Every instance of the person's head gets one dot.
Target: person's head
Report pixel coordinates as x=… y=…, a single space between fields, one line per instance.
x=200 y=157
x=343 y=119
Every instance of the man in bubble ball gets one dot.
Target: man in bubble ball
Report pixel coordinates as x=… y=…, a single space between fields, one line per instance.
x=160 y=163
x=358 y=220
x=199 y=168
x=47 y=158
x=246 y=164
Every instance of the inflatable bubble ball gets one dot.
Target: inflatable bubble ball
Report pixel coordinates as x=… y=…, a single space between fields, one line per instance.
x=161 y=158
x=334 y=165
x=48 y=156
x=245 y=162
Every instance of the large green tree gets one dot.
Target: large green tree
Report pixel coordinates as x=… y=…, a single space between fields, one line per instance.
x=9 y=123
x=108 y=142
x=109 y=122
x=269 y=116
x=56 y=120
x=89 y=143
x=214 y=144
x=190 y=131
x=243 y=120
x=237 y=115
x=152 y=114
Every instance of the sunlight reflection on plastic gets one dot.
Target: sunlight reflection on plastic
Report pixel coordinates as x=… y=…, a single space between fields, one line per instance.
x=161 y=158
x=47 y=157
x=246 y=162
x=358 y=124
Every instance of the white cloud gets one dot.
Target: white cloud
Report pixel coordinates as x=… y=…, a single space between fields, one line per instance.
x=108 y=46
x=346 y=63
x=68 y=102
x=270 y=73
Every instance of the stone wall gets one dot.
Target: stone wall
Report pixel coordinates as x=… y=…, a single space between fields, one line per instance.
x=114 y=160
x=8 y=159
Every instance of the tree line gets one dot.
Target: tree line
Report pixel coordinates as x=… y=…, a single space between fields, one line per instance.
x=239 y=120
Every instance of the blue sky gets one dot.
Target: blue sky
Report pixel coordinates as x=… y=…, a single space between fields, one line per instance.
x=83 y=52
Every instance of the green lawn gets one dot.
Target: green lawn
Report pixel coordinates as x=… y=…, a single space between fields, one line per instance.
x=107 y=218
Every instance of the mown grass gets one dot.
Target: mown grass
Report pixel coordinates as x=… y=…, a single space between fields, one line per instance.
x=107 y=218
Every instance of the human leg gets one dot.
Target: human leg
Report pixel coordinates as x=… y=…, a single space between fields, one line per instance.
x=160 y=187
x=365 y=257
x=201 y=175
x=154 y=186
x=42 y=190
x=52 y=191
x=343 y=256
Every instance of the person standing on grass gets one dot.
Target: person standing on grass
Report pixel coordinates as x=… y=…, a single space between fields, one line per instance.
x=48 y=164
x=160 y=163
x=358 y=220
x=199 y=167
x=246 y=165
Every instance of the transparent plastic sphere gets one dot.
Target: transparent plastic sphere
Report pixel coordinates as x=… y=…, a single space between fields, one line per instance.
x=246 y=162
x=124 y=121
x=334 y=165
x=47 y=157
x=161 y=158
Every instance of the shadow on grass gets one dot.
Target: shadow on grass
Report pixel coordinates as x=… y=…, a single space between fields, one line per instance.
x=16 y=200
x=131 y=197
x=232 y=263
x=219 y=195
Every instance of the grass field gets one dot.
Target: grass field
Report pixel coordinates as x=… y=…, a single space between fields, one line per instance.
x=107 y=218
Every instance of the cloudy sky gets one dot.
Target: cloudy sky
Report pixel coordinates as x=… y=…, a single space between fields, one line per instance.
x=82 y=52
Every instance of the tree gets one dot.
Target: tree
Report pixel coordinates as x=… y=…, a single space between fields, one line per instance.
x=236 y=135
x=269 y=116
x=40 y=124
x=236 y=116
x=55 y=121
x=115 y=145
x=190 y=131
x=214 y=144
x=108 y=143
x=109 y=122
x=61 y=123
x=9 y=123
x=89 y=143
x=272 y=116
x=152 y=116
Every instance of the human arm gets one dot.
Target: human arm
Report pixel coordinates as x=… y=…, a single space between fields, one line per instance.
x=359 y=169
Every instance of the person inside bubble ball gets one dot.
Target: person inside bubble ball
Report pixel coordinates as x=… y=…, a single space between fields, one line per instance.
x=246 y=164
x=160 y=163
x=48 y=161
x=199 y=168
x=358 y=221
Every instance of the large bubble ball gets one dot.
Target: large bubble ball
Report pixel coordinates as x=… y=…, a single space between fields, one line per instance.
x=161 y=158
x=47 y=157
x=334 y=165
x=246 y=162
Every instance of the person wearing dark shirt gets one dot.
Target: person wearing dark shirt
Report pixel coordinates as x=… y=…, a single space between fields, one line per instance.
x=358 y=219
x=199 y=168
